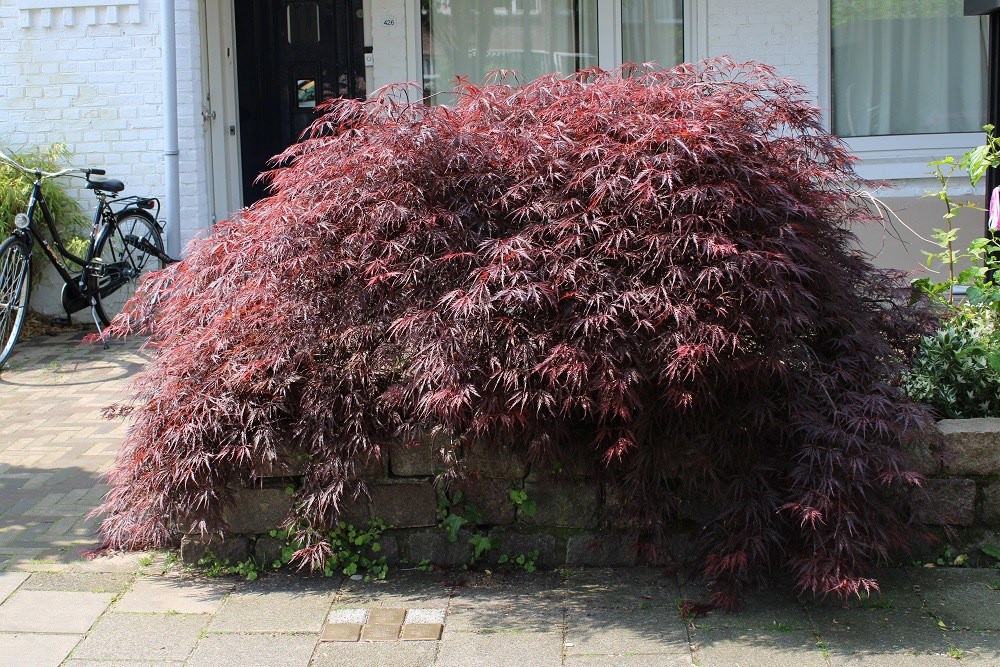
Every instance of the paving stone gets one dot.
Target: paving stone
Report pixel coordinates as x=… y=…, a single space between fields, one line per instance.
x=871 y=631
x=645 y=660
x=622 y=588
x=253 y=651
x=121 y=637
x=341 y=632
x=356 y=616
x=174 y=594
x=52 y=611
x=402 y=590
x=275 y=604
x=503 y=649
x=196 y=547
x=386 y=616
x=378 y=654
x=28 y=650
x=9 y=582
x=727 y=647
x=85 y=582
x=379 y=632
x=504 y=618
x=424 y=616
x=611 y=631
x=421 y=632
x=961 y=598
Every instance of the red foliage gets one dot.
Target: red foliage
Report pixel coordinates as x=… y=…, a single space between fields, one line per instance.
x=659 y=258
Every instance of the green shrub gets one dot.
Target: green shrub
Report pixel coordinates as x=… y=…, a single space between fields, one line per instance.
x=957 y=370
x=15 y=190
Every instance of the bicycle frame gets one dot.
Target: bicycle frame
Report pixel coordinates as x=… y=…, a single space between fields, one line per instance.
x=77 y=284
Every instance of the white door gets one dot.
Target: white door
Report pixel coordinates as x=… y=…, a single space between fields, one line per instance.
x=220 y=110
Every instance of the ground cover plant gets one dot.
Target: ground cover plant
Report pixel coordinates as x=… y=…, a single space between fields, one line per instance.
x=659 y=259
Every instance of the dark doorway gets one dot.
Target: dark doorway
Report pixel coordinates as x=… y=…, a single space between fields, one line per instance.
x=290 y=56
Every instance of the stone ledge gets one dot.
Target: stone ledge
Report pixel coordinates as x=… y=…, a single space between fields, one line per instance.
x=972 y=446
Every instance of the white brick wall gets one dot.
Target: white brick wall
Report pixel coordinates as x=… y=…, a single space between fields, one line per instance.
x=90 y=78
x=782 y=33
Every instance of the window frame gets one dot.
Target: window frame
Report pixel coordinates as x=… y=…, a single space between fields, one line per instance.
x=892 y=157
x=609 y=34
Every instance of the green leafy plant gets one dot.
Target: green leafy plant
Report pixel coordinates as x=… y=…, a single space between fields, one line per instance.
x=15 y=190
x=454 y=513
x=993 y=552
x=214 y=567
x=425 y=565
x=527 y=562
x=523 y=504
x=480 y=545
x=956 y=370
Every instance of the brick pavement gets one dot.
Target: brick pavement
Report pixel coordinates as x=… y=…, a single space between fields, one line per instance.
x=144 y=609
x=54 y=443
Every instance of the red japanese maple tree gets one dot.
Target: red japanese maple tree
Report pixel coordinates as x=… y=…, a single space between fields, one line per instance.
x=659 y=258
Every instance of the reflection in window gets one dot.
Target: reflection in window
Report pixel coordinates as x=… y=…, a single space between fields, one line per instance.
x=306 y=93
x=907 y=67
x=303 y=23
x=535 y=37
x=653 y=30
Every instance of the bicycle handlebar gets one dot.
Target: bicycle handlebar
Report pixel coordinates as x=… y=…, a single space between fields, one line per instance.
x=38 y=173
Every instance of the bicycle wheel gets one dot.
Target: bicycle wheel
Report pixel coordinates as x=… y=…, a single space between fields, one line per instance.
x=15 y=288
x=124 y=263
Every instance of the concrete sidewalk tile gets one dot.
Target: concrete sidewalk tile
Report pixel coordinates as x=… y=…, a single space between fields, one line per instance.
x=253 y=651
x=277 y=604
x=538 y=649
x=977 y=645
x=527 y=617
x=52 y=611
x=613 y=631
x=872 y=631
x=83 y=582
x=408 y=654
x=28 y=650
x=641 y=661
x=902 y=660
x=962 y=598
x=130 y=663
x=732 y=647
x=121 y=637
x=173 y=594
x=9 y=582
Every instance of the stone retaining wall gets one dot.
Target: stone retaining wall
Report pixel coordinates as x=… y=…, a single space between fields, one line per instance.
x=962 y=484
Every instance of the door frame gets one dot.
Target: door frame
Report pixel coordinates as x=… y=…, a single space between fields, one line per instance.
x=223 y=162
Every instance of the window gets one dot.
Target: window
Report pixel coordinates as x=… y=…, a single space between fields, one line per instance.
x=534 y=37
x=653 y=30
x=906 y=67
x=473 y=37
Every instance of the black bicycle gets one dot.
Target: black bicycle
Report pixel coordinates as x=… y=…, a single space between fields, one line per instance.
x=125 y=242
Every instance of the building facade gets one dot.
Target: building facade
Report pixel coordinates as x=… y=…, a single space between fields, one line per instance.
x=902 y=81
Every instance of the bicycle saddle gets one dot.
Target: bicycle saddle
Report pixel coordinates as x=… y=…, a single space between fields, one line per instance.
x=106 y=185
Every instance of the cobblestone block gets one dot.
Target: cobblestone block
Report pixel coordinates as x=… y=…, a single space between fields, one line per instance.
x=256 y=511
x=491 y=498
x=233 y=549
x=989 y=505
x=405 y=505
x=515 y=543
x=564 y=505
x=267 y=550
x=950 y=501
x=434 y=546
x=972 y=446
x=419 y=457
x=491 y=462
